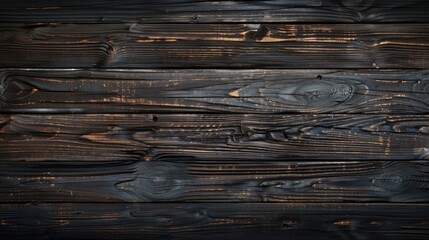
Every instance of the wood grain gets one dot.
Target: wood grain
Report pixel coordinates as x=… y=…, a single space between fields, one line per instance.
x=244 y=91
x=180 y=11
x=226 y=181
x=196 y=119
x=214 y=221
x=252 y=45
x=98 y=137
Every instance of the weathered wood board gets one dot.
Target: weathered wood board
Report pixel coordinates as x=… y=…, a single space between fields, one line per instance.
x=214 y=221
x=215 y=181
x=180 y=11
x=244 y=91
x=251 y=45
x=263 y=137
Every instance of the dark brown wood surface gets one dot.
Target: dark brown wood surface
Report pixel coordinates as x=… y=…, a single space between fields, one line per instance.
x=196 y=119
x=201 y=11
x=245 y=91
x=184 y=180
x=214 y=221
x=211 y=137
x=252 y=45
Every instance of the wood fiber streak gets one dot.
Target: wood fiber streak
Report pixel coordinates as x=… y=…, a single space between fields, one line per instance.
x=98 y=137
x=135 y=45
x=214 y=221
x=244 y=91
x=179 y=11
x=228 y=181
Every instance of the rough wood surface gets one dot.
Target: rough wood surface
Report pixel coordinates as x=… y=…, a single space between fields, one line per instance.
x=213 y=136
x=223 y=120
x=214 y=221
x=245 y=91
x=250 y=45
x=180 y=11
x=227 y=181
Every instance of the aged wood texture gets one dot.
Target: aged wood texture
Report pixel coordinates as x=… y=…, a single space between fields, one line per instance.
x=245 y=91
x=133 y=45
x=209 y=136
x=227 y=181
x=180 y=11
x=214 y=221
x=223 y=120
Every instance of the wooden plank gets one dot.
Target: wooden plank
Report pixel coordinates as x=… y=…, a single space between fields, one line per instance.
x=180 y=11
x=214 y=221
x=227 y=181
x=99 y=137
x=244 y=91
x=216 y=46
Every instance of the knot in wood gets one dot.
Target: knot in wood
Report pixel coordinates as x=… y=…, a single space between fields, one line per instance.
x=325 y=94
x=393 y=181
x=15 y=90
x=155 y=181
x=158 y=180
x=256 y=32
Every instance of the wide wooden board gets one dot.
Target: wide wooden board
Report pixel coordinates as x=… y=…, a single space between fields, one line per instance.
x=214 y=221
x=214 y=181
x=94 y=137
x=252 y=45
x=180 y=11
x=244 y=91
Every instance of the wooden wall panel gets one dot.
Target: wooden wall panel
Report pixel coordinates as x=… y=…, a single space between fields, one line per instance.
x=196 y=119
x=252 y=45
x=180 y=11
x=210 y=137
x=245 y=91
x=184 y=180
x=214 y=221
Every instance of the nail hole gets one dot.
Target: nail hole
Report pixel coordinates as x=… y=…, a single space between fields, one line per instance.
x=289 y=223
x=319 y=77
x=155 y=118
x=168 y=221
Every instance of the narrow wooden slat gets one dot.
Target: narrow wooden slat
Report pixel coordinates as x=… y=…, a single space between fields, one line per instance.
x=227 y=181
x=216 y=46
x=180 y=11
x=94 y=137
x=245 y=91
x=214 y=221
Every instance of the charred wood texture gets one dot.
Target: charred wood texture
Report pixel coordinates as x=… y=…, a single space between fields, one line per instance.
x=148 y=137
x=196 y=119
x=180 y=11
x=215 y=181
x=245 y=91
x=214 y=221
x=251 y=45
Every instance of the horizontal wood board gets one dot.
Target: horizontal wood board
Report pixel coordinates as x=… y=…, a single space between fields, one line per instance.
x=94 y=137
x=251 y=45
x=183 y=180
x=180 y=11
x=229 y=91
x=214 y=221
